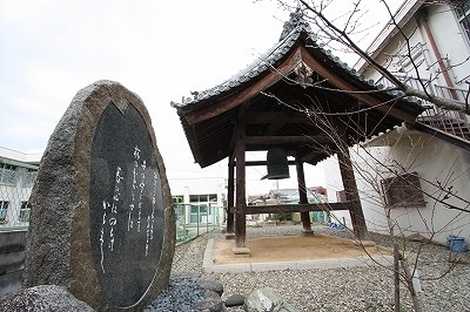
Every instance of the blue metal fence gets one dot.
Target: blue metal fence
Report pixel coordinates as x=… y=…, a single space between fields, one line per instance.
x=194 y=220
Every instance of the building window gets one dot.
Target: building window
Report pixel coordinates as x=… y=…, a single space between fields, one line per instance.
x=463 y=15
x=201 y=206
x=403 y=191
x=25 y=212
x=7 y=174
x=213 y=198
x=3 y=211
x=29 y=178
x=204 y=198
x=403 y=63
x=200 y=211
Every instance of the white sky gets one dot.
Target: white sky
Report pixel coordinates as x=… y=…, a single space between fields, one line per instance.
x=49 y=49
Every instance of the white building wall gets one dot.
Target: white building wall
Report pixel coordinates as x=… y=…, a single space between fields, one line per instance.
x=370 y=198
x=434 y=160
x=200 y=186
x=394 y=47
x=335 y=184
x=451 y=41
x=431 y=158
x=452 y=44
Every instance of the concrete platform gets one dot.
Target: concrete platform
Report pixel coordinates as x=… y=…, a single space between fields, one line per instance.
x=297 y=252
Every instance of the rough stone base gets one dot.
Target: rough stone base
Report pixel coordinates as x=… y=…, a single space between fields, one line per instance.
x=307 y=232
x=241 y=251
x=229 y=235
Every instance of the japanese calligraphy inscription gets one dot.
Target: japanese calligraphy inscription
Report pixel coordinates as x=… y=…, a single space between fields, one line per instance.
x=126 y=206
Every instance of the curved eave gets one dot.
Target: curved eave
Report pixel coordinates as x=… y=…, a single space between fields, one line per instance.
x=297 y=41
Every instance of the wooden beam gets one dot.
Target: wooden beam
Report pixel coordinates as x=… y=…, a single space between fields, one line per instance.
x=310 y=155
x=263 y=163
x=237 y=98
x=230 y=196
x=338 y=82
x=297 y=208
x=276 y=117
x=352 y=195
x=275 y=127
x=275 y=140
x=303 y=199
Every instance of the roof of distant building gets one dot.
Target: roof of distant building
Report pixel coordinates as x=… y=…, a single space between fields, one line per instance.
x=15 y=157
x=404 y=13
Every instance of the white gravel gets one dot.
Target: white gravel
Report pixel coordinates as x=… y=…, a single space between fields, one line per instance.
x=353 y=289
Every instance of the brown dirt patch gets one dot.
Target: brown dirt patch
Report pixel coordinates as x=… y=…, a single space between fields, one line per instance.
x=290 y=248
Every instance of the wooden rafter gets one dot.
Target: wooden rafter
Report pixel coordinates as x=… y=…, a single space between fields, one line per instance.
x=300 y=54
x=342 y=84
x=234 y=100
x=288 y=139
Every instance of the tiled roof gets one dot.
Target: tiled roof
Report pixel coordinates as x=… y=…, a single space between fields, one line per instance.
x=293 y=30
x=263 y=63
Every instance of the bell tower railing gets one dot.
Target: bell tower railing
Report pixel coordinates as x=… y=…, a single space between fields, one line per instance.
x=452 y=122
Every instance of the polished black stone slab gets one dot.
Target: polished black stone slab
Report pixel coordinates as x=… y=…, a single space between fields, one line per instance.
x=126 y=206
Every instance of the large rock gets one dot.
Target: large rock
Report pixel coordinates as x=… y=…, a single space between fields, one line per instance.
x=266 y=300
x=44 y=298
x=102 y=221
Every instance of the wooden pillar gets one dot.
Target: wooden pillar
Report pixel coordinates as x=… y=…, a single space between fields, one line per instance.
x=230 y=196
x=303 y=199
x=352 y=195
x=240 y=209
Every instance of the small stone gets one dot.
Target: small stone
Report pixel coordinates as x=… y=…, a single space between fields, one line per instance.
x=211 y=303
x=234 y=300
x=44 y=298
x=213 y=286
x=265 y=300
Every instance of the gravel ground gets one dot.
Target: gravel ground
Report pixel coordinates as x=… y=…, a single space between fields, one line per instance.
x=181 y=296
x=354 y=289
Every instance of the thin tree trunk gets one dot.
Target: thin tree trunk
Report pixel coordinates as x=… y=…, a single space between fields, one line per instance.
x=417 y=305
x=396 y=275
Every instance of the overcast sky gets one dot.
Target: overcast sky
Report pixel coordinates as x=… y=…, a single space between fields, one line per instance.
x=49 y=49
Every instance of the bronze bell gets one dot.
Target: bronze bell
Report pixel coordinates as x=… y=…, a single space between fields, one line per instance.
x=278 y=165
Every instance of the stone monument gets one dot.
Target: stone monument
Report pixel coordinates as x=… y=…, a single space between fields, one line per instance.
x=102 y=222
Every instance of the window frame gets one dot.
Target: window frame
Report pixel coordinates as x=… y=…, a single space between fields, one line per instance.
x=25 y=210
x=7 y=167
x=4 y=204
x=417 y=201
